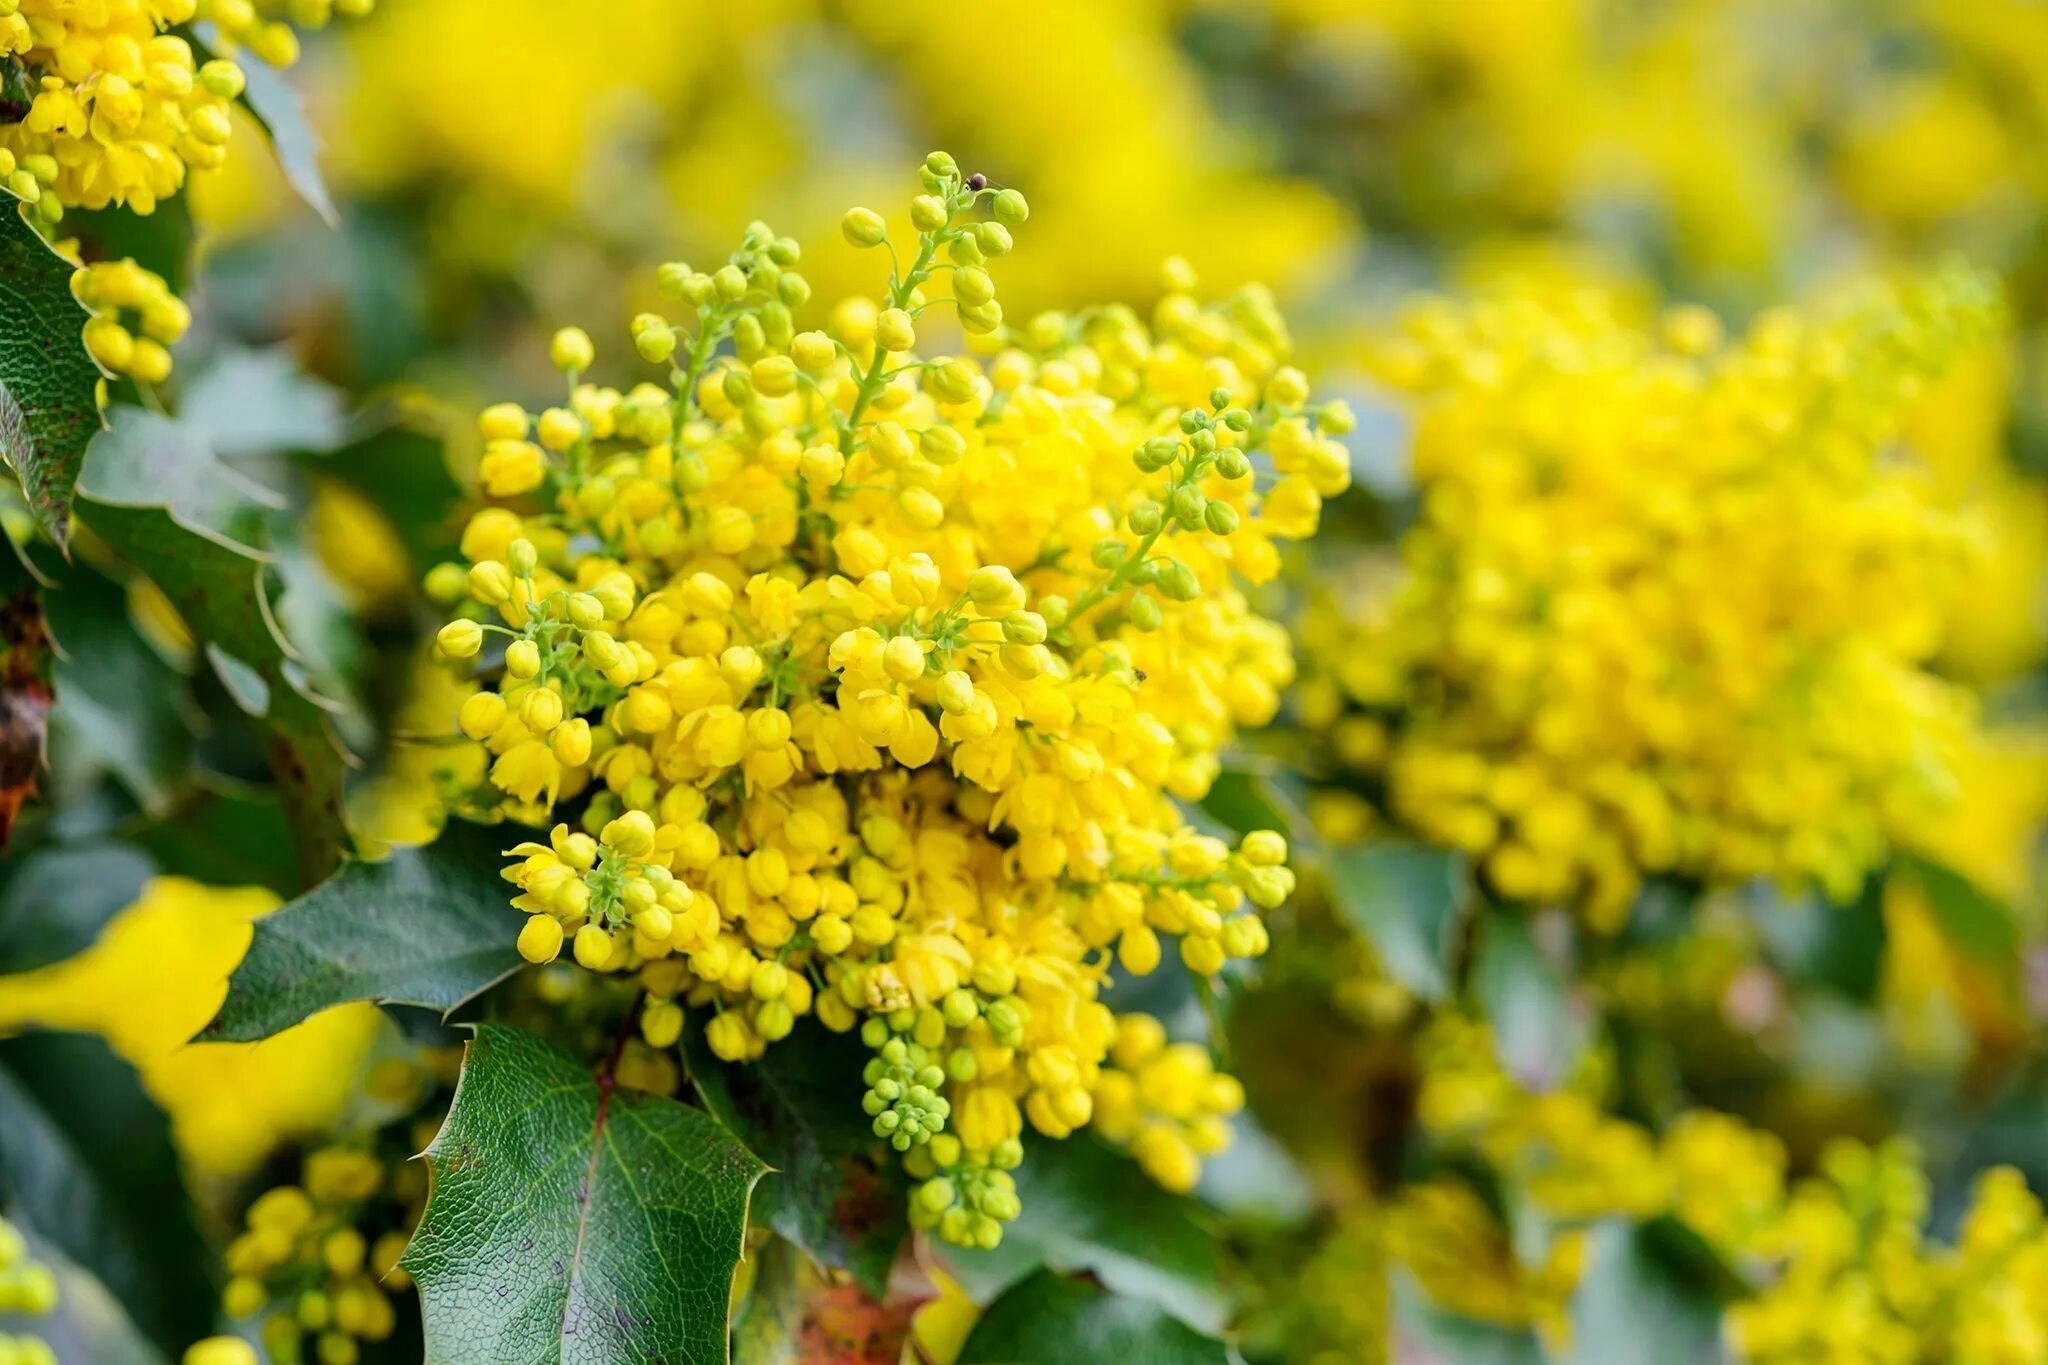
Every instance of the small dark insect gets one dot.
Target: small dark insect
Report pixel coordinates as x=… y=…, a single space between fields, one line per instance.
x=977 y=181
x=1140 y=672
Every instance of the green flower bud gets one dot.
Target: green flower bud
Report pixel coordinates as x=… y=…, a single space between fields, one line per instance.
x=1144 y=518
x=730 y=282
x=973 y=286
x=523 y=558
x=927 y=213
x=1220 y=517
x=942 y=164
x=864 y=227
x=1010 y=208
x=1178 y=581
x=1144 y=613
x=993 y=239
x=1233 y=464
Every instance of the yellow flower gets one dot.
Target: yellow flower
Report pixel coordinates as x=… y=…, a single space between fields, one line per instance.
x=154 y=978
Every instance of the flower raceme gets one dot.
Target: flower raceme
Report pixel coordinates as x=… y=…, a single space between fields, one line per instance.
x=1668 y=606
x=119 y=108
x=862 y=682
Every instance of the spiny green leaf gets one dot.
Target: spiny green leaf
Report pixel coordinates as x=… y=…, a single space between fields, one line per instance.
x=88 y=1160
x=49 y=408
x=568 y=1221
x=1086 y=1208
x=278 y=107
x=1405 y=901
x=1047 y=1319
x=835 y=1189
x=428 y=926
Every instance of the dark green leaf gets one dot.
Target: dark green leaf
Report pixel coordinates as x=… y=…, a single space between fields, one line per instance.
x=225 y=839
x=115 y=695
x=218 y=585
x=87 y=1159
x=277 y=106
x=1630 y=1295
x=1524 y=997
x=570 y=1221
x=49 y=408
x=1406 y=902
x=1046 y=1319
x=1086 y=1208
x=429 y=926
x=1975 y=921
x=54 y=901
x=834 y=1189
x=160 y=241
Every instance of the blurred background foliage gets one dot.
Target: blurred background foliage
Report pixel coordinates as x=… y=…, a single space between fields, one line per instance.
x=503 y=166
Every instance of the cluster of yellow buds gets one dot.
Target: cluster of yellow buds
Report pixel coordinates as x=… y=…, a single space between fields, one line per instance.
x=111 y=288
x=1669 y=602
x=304 y=1255
x=121 y=108
x=269 y=28
x=118 y=110
x=1164 y=1101
x=1859 y=1279
x=1847 y=1268
x=871 y=678
x=27 y=1289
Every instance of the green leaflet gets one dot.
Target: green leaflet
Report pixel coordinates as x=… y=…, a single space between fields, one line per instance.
x=572 y=1222
x=49 y=407
x=428 y=926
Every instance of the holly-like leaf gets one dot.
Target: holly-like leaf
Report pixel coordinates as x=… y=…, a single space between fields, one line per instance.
x=49 y=406
x=116 y=697
x=278 y=107
x=1047 y=1319
x=87 y=1160
x=428 y=926
x=1405 y=901
x=834 y=1188
x=1088 y=1209
x=571 y=1221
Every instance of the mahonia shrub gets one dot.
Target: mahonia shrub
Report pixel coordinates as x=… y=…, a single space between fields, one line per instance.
x=1842 y=1262
x=858 y=681
x=1670 y=601
x=119 y=109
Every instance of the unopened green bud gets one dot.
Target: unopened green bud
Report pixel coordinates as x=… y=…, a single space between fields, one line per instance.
x=864 y=227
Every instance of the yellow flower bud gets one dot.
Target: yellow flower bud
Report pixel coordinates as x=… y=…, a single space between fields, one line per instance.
x=540 y=939
x=571 y=351
x=460 y=639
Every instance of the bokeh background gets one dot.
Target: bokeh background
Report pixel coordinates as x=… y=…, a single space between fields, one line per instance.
x=502 y=167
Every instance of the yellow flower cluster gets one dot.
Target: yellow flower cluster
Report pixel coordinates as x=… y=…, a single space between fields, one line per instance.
x=303 y=1250
x=1669 y=600
x=27 y=1288
x=111 y=289
x=1861 y=1282
x=1848 y=1274
x=875 y=675
x=117 y=111
x=121 y=108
